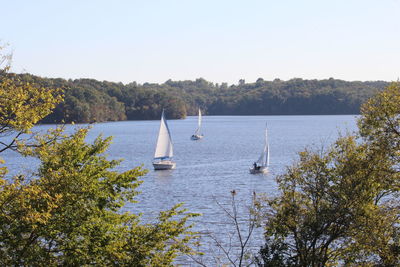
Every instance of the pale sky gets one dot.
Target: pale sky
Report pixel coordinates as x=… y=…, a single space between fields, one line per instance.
x=219 y=40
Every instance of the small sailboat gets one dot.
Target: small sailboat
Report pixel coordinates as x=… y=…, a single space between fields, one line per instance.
x=261 y=165
x=164 y=150
x=197 y=135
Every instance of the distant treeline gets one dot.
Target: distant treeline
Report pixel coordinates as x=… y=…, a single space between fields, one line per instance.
x=89 y=100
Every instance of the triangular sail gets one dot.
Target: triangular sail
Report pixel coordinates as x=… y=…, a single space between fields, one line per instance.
x=267 y=156
x=198 y=124
x=164 y=147
x=199 y=121
x=263 y=160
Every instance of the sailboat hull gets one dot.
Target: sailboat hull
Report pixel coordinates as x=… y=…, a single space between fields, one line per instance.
x=164 y=165
x=196 y=137
x=258 y=170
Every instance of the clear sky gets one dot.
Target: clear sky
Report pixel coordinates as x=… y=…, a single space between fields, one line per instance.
x=219 y=40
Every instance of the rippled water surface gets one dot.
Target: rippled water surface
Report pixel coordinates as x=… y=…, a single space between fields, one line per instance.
x=207 y=170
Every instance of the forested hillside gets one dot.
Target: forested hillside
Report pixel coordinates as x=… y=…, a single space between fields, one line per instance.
x=89 y=100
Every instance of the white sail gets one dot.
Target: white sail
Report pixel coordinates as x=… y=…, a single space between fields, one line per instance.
x=198 y=124
x=267 y=163
x=164 y=147
x=263 y=160
x=199 y=119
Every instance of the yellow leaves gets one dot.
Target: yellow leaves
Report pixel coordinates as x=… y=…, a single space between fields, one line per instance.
x=25 y=203
x=380 y=115
x=23 y=104
x=3 y=170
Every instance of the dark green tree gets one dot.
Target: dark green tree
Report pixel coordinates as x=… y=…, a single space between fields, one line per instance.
x=340 y=206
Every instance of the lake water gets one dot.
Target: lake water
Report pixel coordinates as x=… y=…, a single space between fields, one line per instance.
x=207 y=170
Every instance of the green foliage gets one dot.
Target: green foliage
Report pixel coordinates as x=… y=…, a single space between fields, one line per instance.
x=69 y=212
x=340 y=206
x=380 y=123
x=88 y=100
x=273 y=255
x=22 y=104
x=78 y=221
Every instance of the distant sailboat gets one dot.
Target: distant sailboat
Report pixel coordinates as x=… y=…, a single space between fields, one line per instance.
x=197 y=135
x=164 y=150
x=261 y=165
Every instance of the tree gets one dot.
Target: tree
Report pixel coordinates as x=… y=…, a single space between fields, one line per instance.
x=68 y=212
x=237 y=250
x=89 y=100
x=340 y=206
x=380 y=122
x=22 y=104
x=82 y=223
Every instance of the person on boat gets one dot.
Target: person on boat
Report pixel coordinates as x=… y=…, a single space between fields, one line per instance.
x=255 y=165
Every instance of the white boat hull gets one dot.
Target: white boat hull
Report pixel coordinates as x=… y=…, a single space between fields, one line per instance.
x=196 y=137
x=258 y=170
x=164 y=165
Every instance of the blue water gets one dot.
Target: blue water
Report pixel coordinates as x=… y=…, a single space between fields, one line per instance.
x=207 y=170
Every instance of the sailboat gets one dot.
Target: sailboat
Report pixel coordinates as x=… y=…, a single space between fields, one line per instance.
x=197 y=135
x=261 y=165
x=164 y=150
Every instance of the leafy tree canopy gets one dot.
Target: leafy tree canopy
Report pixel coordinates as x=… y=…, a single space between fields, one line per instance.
x=68 y=211
x=340 y=206
x=88 y=100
